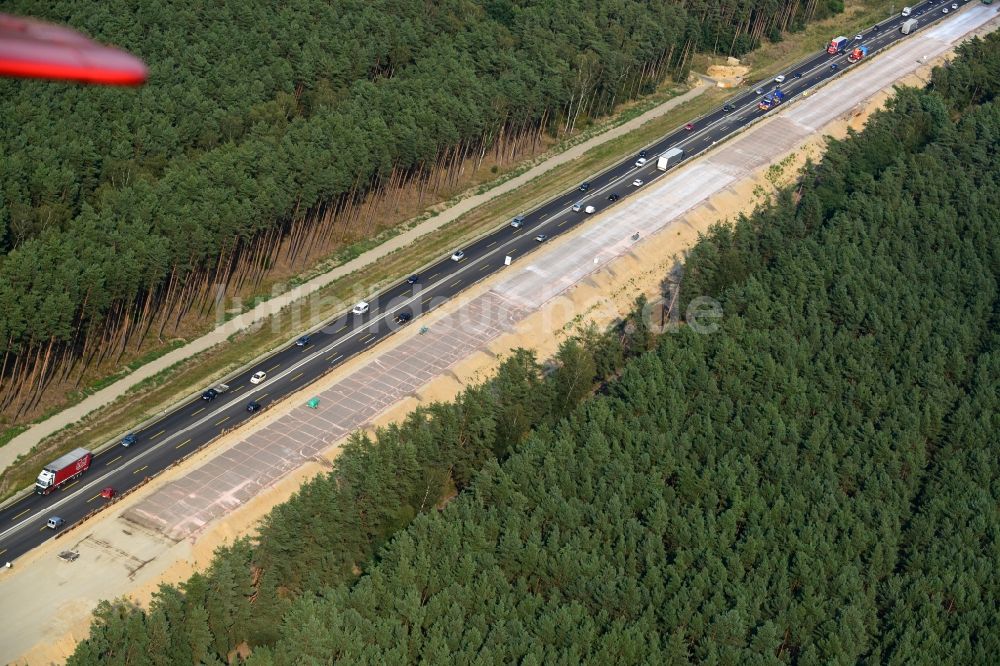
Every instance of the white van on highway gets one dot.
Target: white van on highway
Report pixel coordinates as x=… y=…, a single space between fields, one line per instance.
x=907 y=11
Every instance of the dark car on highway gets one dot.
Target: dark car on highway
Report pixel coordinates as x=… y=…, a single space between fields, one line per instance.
x=302 y=342
x=403 y=317
x=584 y=187
x=613 y=196
x=128 y=440
x=210 y=394
x=253 y=406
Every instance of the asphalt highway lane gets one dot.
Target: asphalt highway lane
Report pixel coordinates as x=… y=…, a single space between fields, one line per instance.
x=197 y=422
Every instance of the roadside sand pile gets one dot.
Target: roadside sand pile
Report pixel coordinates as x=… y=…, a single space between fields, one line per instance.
x=730 y=75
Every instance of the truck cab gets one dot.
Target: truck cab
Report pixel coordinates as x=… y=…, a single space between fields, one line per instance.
x=837 y=45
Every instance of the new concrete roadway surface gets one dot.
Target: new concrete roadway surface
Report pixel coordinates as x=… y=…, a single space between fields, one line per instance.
x=181 y=508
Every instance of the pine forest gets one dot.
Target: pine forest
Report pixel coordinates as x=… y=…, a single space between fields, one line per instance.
x=814 y=482
x=126 y=214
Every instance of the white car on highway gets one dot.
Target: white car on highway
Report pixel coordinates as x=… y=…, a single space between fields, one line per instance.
x=458 y=255
x=641 y=161
x=637 y=182
x=360 y=308
x=258 y=377
x=780 y=78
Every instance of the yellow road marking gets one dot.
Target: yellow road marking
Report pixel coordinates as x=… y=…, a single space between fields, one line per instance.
x=433 y=276
x=3 y=551
x=21 y=514
x=307 y=348
x=261 y=397
x=140 y=469
x=342 y=328
x=562 y=223
x=221 y=421
x=484 y=268
x=182 y=443
x=456 y=282
x=273 y=367
x=158 y=434
x=93 y=498
x=65 y=488
x=198 y=412
x=297 y=376
x=492 y=244
x=112 y=460
x=426 y=299
x=333 y=357
x=370 y=335
x=238 y=388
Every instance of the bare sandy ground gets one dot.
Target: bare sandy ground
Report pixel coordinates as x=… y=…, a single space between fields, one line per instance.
x=605 y=295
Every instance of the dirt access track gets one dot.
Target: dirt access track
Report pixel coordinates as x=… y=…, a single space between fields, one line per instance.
x=170 y=527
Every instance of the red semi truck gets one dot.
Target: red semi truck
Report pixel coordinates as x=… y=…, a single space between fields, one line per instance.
x=837 y=45
x=64 y=469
